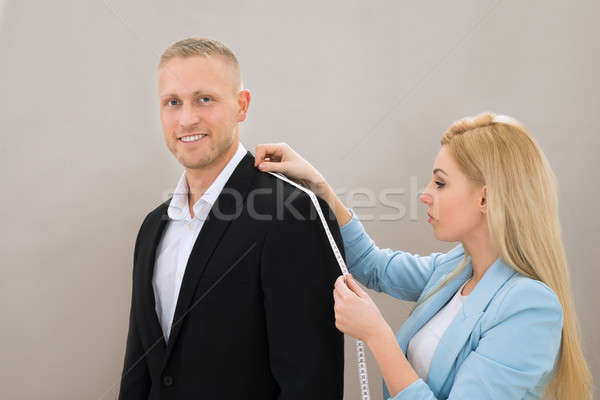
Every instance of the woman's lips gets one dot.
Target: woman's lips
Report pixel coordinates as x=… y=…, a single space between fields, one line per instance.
x=430 y=219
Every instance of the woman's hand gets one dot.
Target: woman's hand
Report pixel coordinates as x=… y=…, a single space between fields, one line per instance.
x=359 y=317
x=355 y=312
x=282 y=158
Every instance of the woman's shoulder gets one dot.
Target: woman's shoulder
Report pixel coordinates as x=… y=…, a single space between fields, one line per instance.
x=521 y=294
x=452 y=257
x=443 y=265
x=446 y=263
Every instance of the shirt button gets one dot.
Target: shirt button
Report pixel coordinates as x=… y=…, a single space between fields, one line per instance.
x=168 y=380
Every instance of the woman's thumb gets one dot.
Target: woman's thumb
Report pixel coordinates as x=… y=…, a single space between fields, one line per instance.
x=353 y=285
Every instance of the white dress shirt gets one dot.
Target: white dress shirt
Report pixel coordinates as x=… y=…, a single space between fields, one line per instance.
x=423 y=344
x=178 y=239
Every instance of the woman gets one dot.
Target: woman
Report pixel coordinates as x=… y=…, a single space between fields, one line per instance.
x=494 y=316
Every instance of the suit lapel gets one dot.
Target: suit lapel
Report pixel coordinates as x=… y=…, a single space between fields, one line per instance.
x=153 y=332
x=458 y=332
x=228 y=206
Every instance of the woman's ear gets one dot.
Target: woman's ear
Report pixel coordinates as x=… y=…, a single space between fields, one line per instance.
x=483 y=201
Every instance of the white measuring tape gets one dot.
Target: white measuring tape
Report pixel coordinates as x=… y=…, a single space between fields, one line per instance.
x=360 y=347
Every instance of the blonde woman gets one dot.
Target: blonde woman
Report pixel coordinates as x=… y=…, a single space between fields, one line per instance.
x=494 y=316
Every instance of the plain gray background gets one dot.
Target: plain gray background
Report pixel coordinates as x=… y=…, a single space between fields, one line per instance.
x=364 y=90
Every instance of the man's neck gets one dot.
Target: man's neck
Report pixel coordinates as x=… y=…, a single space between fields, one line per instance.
x=199 y=180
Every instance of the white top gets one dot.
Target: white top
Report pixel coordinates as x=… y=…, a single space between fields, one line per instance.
x=423 y=344
x=178 y=239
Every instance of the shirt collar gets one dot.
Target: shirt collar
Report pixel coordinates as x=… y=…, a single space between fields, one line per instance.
x=178 y=206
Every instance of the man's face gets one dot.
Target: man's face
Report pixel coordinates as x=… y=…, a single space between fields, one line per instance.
x=200 y=107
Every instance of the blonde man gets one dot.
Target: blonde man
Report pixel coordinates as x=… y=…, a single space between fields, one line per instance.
x=232 y=276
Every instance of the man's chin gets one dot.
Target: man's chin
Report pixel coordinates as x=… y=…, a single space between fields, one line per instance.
x=195 y=163
x=201 y=159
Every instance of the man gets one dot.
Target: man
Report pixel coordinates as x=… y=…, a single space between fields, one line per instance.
x=233 y=275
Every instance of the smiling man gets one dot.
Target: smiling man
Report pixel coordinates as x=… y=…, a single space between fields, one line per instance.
x=233 y=275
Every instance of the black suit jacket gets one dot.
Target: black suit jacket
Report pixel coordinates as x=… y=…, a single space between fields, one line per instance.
x=254 y=318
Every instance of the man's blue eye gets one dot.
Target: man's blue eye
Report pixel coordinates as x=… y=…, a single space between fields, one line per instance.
x=169 y=102
x=205 y=99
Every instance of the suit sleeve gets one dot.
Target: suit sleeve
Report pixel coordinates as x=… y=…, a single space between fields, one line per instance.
x=298 y=271
x=135 y=378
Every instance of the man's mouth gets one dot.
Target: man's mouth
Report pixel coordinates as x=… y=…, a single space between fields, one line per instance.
x=191 y=138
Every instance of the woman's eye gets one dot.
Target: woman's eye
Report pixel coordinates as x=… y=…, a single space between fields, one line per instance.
x=439 y=184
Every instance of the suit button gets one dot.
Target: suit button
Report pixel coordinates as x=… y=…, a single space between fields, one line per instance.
x=167 y=380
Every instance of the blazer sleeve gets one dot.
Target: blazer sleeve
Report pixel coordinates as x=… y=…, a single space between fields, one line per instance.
x=298 y=272
x=515 y=356
x=397 y=273
x=135 y=378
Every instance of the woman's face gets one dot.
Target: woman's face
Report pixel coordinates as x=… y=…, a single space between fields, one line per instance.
x=455 y=207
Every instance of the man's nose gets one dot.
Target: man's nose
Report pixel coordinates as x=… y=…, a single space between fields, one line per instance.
x=188 y=116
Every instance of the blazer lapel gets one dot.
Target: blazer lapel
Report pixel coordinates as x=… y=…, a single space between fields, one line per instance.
x=425 y=311
x=155 y=340
x=458 y=332
x=228 y=206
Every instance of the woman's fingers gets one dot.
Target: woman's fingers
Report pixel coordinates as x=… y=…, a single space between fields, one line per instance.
x=268 y=166
x=273 y=151
x=340 y=285
x=353 y=285
x=336 y=297
x=279 y=157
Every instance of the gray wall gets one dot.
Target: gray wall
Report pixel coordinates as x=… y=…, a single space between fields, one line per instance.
x=362 y=89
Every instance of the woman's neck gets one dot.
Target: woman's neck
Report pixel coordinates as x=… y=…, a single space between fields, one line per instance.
x=482 y=254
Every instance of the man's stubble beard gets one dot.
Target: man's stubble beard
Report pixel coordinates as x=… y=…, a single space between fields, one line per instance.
x=214 y=153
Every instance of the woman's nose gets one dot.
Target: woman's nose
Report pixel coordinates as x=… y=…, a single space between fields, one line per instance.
x=426 y=198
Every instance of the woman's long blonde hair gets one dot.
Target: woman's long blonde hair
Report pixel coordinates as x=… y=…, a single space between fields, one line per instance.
x=523 y=223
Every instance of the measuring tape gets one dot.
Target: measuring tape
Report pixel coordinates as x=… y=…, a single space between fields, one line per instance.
x=360 y=347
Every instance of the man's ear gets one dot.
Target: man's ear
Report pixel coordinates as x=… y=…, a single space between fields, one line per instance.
x=483 y=200
x=243 y=104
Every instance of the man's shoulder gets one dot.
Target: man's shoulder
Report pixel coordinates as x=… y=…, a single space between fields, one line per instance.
x=271 y=189
x=161 y=209
x=158 y=212
x=274 y=193
x=268 y=180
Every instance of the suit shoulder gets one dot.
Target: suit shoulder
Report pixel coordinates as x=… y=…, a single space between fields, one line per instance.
x=156 y=212
x=275 y=192
x=267 y=180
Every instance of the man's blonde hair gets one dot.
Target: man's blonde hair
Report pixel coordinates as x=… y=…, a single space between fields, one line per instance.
x=202 y=47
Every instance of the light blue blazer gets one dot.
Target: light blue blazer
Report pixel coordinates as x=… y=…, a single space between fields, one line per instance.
x=504 y=342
